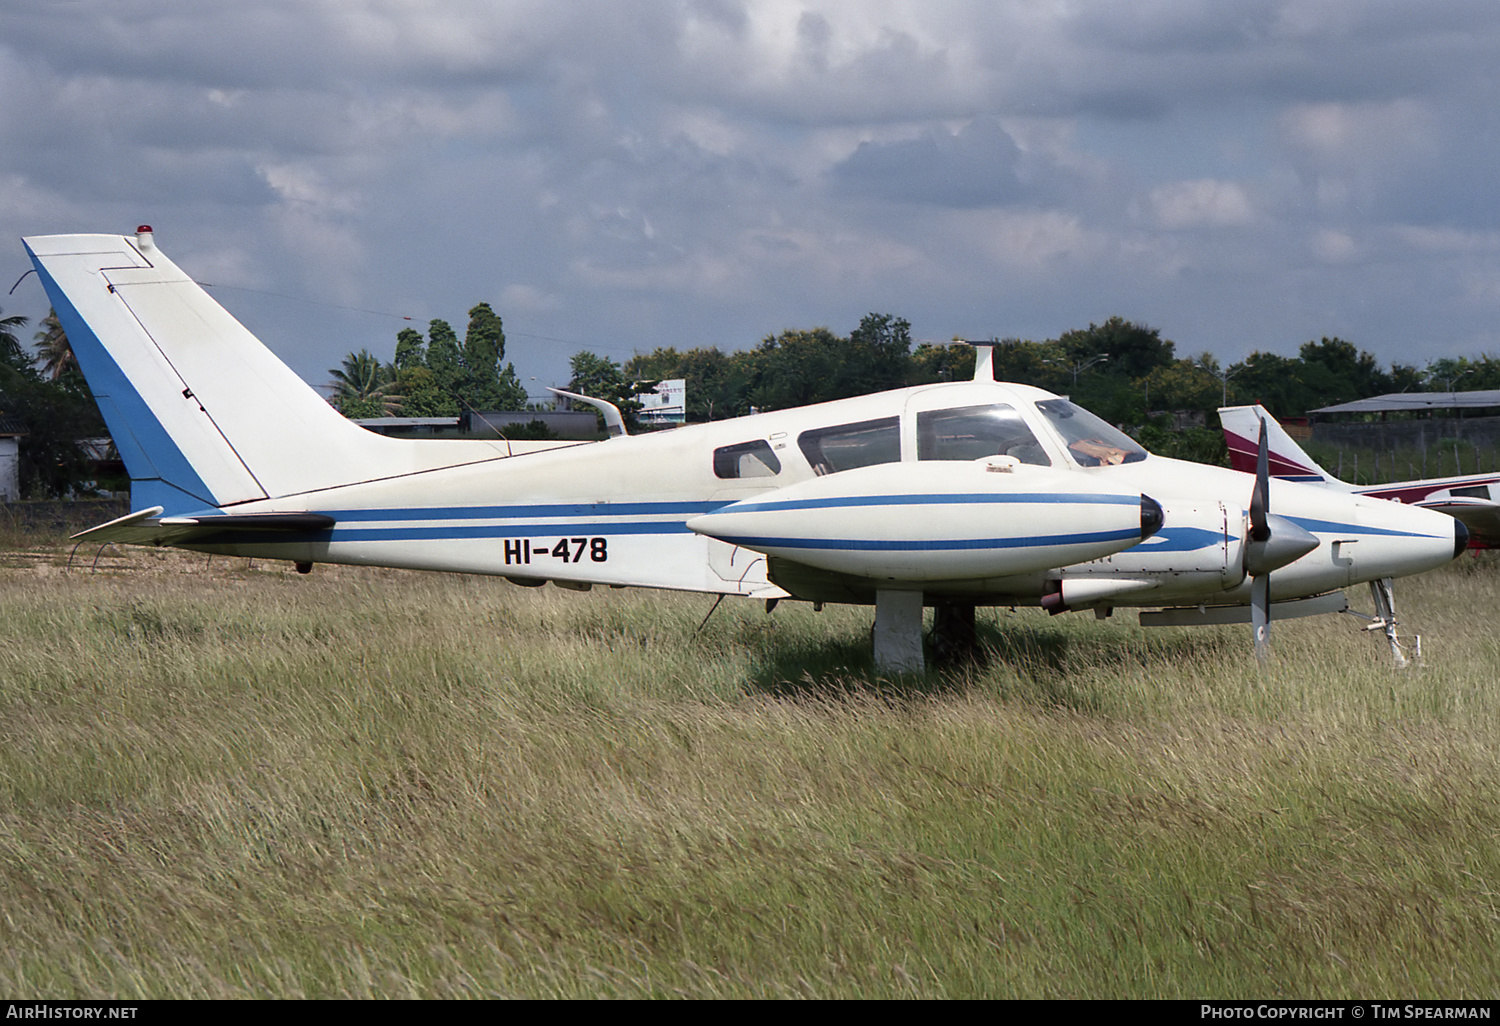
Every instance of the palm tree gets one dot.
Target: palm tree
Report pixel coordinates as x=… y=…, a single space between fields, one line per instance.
x=360 y=387
x=53 y=347
x=10 y=346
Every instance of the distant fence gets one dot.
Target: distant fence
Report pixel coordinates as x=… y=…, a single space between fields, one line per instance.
x=1398 y=450
x=1410 y=434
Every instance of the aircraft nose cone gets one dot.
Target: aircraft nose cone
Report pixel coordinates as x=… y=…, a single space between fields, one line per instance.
x=1460 y=538
x=1151 y=517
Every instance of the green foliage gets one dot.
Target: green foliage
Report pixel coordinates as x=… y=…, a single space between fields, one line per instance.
x=934 y=363
x=1032 y=363
x=1184 y=385
x=1331 y=371
x=717 y=385
x=599 y=377
x=58 y=412
x=484 y=344
x=438 y=376
x=1132 y=350
x=1120 y=369
x=411 y=350
x=52 y=348
x=880 y=348
x=11 y=353
x=1458 y=374
x=797 y=368
x=1273 y=381
x=531 y=431
x=1195 y=444
x=444 y=357
x=363 y=388
x=421 y=396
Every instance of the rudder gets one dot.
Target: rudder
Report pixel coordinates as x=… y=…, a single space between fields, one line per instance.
x=202 y=413
x=1287 y=460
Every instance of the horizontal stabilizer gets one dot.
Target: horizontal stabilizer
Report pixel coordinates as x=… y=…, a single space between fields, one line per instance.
x=256 y=522
x=133 y=528
x=148 y=527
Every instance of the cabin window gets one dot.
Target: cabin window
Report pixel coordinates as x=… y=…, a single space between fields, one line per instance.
x=747 y=459
x=1473 y=492
x=974 y=432
x=847 y=446
x=1091 y=441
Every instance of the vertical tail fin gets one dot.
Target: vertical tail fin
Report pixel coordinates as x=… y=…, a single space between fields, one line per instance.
x=202 y=413
x=1287 y=460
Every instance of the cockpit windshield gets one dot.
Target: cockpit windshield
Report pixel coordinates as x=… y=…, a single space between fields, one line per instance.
x=1091 y=442
x=974 y=432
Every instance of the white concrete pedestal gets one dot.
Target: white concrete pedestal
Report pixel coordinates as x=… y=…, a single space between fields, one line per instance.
x=898 y=632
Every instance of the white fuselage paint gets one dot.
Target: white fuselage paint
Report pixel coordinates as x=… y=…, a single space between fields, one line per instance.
x=616 y=513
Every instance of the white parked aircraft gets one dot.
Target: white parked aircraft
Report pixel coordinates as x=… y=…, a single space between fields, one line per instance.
x=1469 y=497
x=951 y=495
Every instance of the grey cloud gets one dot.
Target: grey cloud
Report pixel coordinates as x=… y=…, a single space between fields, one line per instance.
x=690 y=171
x=974 y=167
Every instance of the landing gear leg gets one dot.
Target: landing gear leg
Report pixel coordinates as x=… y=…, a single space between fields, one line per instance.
x=1385 y=619
x=954 y=638
x=898 y=632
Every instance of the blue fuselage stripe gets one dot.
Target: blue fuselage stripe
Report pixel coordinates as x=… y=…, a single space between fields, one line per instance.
x=572 y=528
x=937 y=499
x=928 y=545
x=588 y=509
x=1333 y=527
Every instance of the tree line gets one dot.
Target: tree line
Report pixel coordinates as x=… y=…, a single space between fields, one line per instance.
x=43 y=394
x=435 y=376
x=1124 y=371
x=1119 y=369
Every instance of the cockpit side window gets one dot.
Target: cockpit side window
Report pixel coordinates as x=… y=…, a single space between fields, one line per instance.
x=1091 y=442
x=847 y=446
x=746 y=459
x=974 y=432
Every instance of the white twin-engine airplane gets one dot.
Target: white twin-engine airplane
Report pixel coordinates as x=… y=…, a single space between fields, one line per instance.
x=952 y=495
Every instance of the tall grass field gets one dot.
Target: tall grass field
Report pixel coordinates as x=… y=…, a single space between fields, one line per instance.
x=222 y=779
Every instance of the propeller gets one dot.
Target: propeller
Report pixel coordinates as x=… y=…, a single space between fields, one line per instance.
x=1273 y=542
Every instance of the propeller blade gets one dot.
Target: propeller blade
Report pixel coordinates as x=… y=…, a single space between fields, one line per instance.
x=1260 y=498
x=1260 y=615
x=1260 y=559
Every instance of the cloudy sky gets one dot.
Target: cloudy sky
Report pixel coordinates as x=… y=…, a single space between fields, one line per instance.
x=617 y=176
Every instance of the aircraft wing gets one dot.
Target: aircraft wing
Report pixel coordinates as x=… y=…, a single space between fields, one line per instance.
x=149 y=527
x=1480 y=516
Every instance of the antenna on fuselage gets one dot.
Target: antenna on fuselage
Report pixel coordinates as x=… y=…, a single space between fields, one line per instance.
x=984 y=358
x=614 y=424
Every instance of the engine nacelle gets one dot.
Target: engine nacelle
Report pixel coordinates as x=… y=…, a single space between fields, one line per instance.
x=938 y=521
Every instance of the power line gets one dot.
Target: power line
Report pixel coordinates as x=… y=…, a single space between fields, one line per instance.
x=304 y=299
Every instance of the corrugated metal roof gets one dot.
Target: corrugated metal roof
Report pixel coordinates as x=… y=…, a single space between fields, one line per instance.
x=12 y=426
x=1408 y=401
